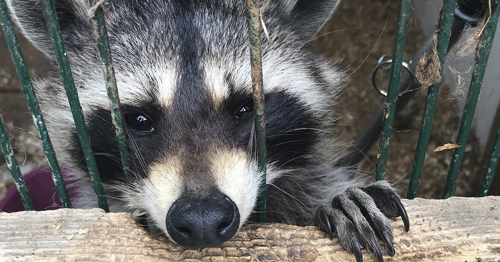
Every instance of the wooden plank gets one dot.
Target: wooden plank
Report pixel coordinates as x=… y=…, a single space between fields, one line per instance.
x=456 y=229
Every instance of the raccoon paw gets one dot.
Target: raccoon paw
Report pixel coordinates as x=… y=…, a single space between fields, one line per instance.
x=359 y=218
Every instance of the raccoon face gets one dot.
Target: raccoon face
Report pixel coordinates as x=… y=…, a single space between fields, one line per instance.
x=183 y=74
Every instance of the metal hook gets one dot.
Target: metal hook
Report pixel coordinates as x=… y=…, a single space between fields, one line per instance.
x=384 y=63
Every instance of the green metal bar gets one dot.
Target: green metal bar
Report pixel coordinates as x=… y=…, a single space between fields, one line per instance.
x=446 y=23
x=109 y=75
x=36 y=115
x=11 y=161
x=491 y=166
x=390 y=104
x=49 y=13
x=254 y=27
x=483 y=52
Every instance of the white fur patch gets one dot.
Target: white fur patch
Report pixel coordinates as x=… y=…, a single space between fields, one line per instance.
x=161 y=189
x=214 y=80
x=166 y=79
x=237 y=178
x=131 y=87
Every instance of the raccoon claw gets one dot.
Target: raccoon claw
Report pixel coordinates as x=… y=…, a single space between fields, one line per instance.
x=325 y=222
x=387 y=201
x=378 y=254
x=402 y=212
x=390 y=246
x=357 y=252
x=359 y=218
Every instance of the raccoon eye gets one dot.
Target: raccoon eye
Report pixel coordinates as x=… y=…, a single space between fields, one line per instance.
x=244 y=110
x=139 y=122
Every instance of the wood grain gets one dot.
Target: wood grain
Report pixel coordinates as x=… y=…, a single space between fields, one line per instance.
x=456 y=229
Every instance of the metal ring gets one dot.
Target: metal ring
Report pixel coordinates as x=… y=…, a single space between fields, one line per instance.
x=385 y=64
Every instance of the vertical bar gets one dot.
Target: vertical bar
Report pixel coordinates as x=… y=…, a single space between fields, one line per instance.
x=483 y=52
x=254 y=27
x=491 y=166
x=49 y=13
x=36 y=115
x=111 y=87
x=10 y=159
x=447 y=17
x=390 y=104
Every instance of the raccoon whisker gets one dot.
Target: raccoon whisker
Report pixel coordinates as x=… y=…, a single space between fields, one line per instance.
x=291 y=196
x=138 y=212
x=130 y=185
x=118 y=161
x=335 y=31
x=311 y=128
x=371 y=51
x=112 y=197
x=294 y=132
x=136 y=174
x=284 y=143
x=323 y=110
x=126 y=190
x=111 y=157
x=344 y=125
x=98 y=116
x=137 y=152
x=365 y=156
x=290 y=160
x=345 y=69
x=351 y=144
x=290 y=133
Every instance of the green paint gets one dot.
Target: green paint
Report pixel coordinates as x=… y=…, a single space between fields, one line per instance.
x=392 y=95
x=111 y=87
x=18 y=59
x=49 y=13
x=483 y=52
x=446 y=23
x=491 y=166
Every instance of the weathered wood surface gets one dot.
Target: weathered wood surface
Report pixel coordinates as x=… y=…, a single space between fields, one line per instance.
x=457 y=229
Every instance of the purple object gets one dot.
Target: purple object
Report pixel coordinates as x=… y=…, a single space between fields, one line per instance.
x=42 y=191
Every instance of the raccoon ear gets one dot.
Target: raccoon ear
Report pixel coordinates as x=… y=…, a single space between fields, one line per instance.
x=306 y=17
x=73 y=20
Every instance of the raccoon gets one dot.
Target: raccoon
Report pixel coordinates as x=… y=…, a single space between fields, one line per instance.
x=183 y=73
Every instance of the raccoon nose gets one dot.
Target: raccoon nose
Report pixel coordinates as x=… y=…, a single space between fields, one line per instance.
x=203 y=221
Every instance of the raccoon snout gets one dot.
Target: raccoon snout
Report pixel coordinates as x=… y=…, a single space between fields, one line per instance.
x=198 y=221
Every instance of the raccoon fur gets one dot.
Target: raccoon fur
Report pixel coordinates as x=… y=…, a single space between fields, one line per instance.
x=183 y=73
